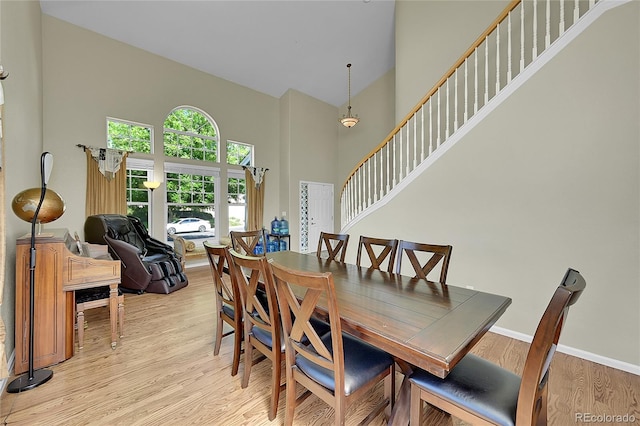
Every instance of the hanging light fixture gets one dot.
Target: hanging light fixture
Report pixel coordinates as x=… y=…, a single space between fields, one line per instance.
x=349 y=120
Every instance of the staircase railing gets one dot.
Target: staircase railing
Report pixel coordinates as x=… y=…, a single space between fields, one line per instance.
x=515 y=39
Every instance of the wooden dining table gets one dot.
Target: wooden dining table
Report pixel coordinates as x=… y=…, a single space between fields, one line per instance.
x=421 y=323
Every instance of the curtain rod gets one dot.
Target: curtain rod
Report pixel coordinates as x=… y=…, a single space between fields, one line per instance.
x=85 y=147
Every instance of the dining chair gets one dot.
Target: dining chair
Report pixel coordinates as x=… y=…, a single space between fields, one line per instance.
x=433 y=255
x=96 y=297
x=262 y=326
x=371 y=245
x=480 y=392
x=335 y=244
x=335 y=366
x=245 y=242
x=228 y=300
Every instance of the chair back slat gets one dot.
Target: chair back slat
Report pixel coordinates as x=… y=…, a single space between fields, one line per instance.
x=386 y=252
x=532 y=397
x=245 y=242
x=298 y=295
x=435 y=254
x=220 y=262
x=257 y=289
x=335 y=244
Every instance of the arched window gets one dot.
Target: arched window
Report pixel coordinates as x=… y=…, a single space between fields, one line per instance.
x=191 y=133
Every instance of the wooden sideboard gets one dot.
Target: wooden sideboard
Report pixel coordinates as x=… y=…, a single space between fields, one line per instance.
x=57 y=273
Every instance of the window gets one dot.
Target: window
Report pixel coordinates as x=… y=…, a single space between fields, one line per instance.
x=138 y=197
x=236 y=200
x=239 y=153
x=129 y=136
x=189 y=133
x=191 y=194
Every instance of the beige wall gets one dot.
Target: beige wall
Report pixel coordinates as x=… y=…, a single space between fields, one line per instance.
x=430 y=37
x=549 y=180
x=22 y=59
x=88 y=77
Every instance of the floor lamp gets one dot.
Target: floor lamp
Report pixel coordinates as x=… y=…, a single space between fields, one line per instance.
x=32 y=378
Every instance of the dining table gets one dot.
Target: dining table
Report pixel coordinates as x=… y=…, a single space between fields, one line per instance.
x=422 y=324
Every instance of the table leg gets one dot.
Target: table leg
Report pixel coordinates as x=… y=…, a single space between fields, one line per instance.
x=113 y=313
x=401 y=409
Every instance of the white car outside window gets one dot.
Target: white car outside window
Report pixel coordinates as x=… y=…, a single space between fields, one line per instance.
x=189 y=224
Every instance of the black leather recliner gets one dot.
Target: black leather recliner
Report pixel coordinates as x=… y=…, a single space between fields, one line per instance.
x=147 y=264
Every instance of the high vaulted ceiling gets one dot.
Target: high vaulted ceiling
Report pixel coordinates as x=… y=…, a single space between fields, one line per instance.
x=267 y=45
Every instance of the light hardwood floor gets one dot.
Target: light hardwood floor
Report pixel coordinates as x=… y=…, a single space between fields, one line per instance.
x=163 y=372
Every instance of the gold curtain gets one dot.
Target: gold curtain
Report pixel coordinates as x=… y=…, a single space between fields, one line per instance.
x=3 y=359
x=255 y=201
x=105 y=196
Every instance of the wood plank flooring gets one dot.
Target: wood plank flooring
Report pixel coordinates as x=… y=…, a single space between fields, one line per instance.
x=163 y=372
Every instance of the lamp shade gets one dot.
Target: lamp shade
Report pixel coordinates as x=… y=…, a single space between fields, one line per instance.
x=151 y=184
x=25 y=203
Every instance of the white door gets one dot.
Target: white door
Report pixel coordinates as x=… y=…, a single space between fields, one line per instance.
x=320 y=204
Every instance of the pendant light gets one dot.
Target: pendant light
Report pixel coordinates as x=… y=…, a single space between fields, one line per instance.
x=349 y=120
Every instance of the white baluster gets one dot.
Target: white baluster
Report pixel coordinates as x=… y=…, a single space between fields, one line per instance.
x=415 y=141
x=382 y=171
x=408 y=127
x=509 y=48
x=561 y=25
x=465 y=117
x=521 y=36
x=592 y=3
x=448 y=108
x=497 y=59
x=400 y=157
x=388 y=168
x=576 y=11
x=430 y=125
x=369 y=184
x=535 y=30
x=394 y=160
x=547 y=37
x=375 y=175
x=486 y=70
x=475 y=84
x=455 y=103
x=422 y=133
x=438 y=123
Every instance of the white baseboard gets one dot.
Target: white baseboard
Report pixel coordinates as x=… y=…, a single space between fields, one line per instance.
x=609 y=362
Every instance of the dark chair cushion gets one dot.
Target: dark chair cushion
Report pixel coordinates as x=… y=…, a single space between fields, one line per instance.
x=362 y=362
x=266 y=338
x=228 y=311
x=478 y=385
x=96 y=293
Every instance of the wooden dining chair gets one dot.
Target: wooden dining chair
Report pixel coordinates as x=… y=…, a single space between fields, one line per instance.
x=228 y=300
x=262 y=327
x=335 y=244
x=245 y=242
x=482 y=393
x=335 y=366
x=424 y=263
x=373 y=245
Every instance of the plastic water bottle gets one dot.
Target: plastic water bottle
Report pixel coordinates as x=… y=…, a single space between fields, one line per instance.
x=283 y=245
x=275 y=226
x=284 y=226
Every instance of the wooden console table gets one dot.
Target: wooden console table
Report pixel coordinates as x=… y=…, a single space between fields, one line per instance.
x=58 y=274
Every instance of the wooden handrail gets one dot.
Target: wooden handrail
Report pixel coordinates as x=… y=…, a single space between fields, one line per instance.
x=435 y=88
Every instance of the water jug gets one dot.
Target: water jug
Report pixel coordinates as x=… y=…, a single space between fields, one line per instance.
x=284 y=226
x=275 y=226
x=283 y=245
x=272 y=246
